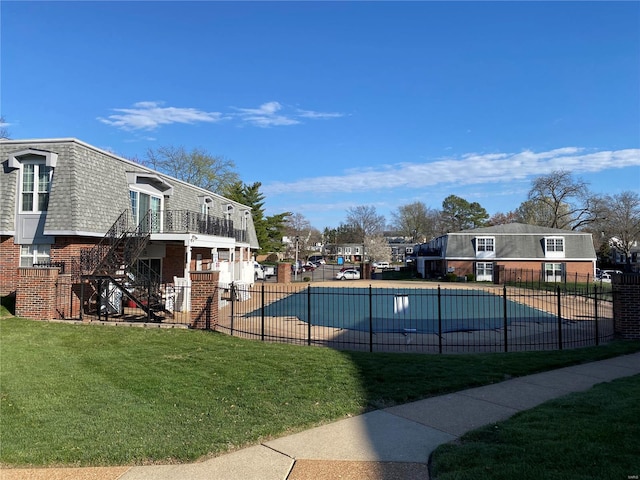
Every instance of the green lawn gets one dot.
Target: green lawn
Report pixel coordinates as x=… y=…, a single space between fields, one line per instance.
x=100 y=395
x=590 y=435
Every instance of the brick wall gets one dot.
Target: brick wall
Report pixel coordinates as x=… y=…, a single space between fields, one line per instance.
x=9 y=262
x=204 y=299
x=173 y=263
x=626 y=306
x=36 y=293
x=65 y=249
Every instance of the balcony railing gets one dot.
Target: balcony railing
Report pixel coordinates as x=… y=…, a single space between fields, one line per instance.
x=424 y=251
x=185 y=221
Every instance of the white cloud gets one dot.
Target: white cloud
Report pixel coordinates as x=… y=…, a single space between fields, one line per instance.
x=469 y=169
x=151 y=115
x=265 y=116
x=320 y=115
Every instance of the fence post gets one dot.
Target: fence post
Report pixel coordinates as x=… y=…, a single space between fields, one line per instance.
x=262 y=312
x=439 y=320
x=99 y=300
x=232 y=295
x=559 y=318
x=370 y=319
x=81 y=297
x=309 y=315
x=504 y=306
x=148 y=298
x=595 y=307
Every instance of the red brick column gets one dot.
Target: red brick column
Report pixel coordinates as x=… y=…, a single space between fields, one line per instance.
x=626 y=306
x=67 y=303
x=36 y=293
x=204 y=299
x=284 y=273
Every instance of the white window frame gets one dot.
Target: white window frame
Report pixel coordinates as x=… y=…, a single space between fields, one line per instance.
x=36 y=253
x=485 y=247
x=134 y=202
x=245 y=219
x=37 y=192
x=554 y=247
x=347 y=250
x=553 y=272
x=484 y=271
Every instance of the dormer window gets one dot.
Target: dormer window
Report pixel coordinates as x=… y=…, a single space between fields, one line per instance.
x=147 y=192
x=245 y=219
x=36 y=170
x=554 y=247
x=485 y=247
x=206 y=204
x=35 y=185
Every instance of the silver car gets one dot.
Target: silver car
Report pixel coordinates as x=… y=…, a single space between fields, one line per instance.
x=349 y=274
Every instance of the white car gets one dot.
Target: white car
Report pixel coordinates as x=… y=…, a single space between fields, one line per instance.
x=350 y=274
x=381 y=265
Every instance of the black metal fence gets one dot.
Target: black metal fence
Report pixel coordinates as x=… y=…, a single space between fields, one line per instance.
x=429 y=318
x=439 y=319
x=104 y=302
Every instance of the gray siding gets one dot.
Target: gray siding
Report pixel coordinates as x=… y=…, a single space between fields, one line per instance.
x=518 y=241
x=89 y=189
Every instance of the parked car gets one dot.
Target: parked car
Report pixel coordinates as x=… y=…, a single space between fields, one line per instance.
x=343 y=269
x=317 y=259
x=349 y=274
x=381 y=265
x=262 y=272
x=605 y=275
x=611 y=272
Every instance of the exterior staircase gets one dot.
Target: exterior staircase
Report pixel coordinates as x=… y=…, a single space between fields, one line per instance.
x=114 y=274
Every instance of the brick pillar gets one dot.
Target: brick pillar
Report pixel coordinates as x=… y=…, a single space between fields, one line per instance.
x=204 y=299
x=68 y=301
x=284 y=273
x=367 y=271
x=36 y=293
x=626 y=306
x=499 y=274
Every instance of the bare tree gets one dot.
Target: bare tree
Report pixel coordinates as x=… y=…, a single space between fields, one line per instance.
x=298 y=226
x=417 y=221
x=196 y=167
x=623 y=222
x=501 y=218
x=535 y=212
x=4 y=131
x=565 y=201
x=366 y=220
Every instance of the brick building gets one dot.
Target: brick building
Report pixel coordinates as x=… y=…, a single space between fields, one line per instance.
x=95 y=215
x=553 y=252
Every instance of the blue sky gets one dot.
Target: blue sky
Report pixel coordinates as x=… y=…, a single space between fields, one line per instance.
x=332 y=105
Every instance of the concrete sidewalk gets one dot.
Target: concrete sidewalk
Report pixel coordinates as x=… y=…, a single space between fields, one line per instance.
x=394 y=443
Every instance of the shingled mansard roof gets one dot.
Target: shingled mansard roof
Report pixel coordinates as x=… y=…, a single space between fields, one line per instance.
x=519 y=241
x=90 y=189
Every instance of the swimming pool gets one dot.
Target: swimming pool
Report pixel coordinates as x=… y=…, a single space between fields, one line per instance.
x=402 y=310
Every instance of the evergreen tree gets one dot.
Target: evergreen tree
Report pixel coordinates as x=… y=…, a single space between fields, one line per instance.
x=269 y=229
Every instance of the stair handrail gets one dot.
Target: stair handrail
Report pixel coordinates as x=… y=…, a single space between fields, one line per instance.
x=92 y=258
